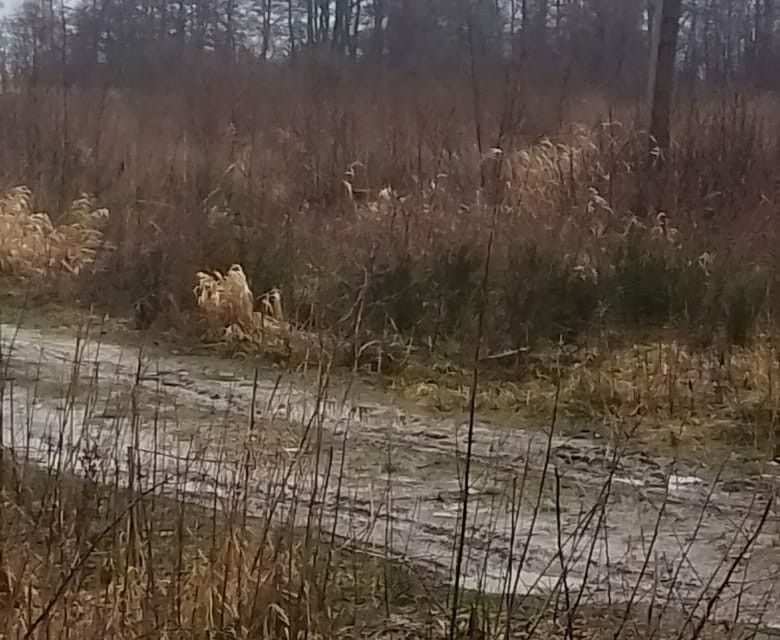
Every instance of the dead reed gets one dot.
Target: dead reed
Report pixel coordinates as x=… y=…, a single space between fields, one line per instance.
x=32 y=247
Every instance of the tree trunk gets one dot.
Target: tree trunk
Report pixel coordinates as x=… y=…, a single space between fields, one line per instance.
x=662 y=66
x=764 y=38
x=267 y=16
x=310 y=18
x=692 y=60
x=341 y=24
x=323 y=29
x=353 y=41
x=512 y=18
x=543 y=13
x=380 y=11
x=291 y=26
x=230 y=28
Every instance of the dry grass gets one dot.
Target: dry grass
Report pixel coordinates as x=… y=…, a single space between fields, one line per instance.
x=389 y=260
x=533 y=176
x=683 y=395
x=226 y=300
x=271 y=197
x=198 y=529
x=31 y=246
x=227 y=305
x=84 y=560
x=87 y=560
x=119 y=552
x=587 y=241
x=666 y=393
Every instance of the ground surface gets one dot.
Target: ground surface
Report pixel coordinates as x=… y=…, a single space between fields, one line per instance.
x=388 y=475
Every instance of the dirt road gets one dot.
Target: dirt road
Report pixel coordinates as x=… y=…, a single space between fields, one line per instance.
x=542 y=509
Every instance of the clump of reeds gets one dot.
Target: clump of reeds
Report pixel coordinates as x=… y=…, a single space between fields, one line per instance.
x=714 y=396
x=32 y=246
x=227 y=305
x=535 y=175
x=726 y=393
x=226 y=299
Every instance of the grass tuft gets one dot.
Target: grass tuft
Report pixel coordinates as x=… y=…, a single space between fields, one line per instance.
x=33 y=247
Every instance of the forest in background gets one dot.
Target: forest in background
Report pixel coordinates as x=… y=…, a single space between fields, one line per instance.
x=600 y=44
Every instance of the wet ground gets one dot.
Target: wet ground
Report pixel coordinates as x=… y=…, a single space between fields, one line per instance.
x=544 y=510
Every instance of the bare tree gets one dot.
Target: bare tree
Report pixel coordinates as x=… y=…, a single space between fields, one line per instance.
x=291 y=25
x=353 y=42
x=266 y=9
x=765 y=58
x=341 y=22
x=378 y=45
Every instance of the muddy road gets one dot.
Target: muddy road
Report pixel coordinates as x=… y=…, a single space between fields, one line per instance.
x=545 y=511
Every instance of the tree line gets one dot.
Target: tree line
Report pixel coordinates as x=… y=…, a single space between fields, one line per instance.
x=599 y=42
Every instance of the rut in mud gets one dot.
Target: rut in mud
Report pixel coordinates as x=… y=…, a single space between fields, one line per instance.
x=546 y=511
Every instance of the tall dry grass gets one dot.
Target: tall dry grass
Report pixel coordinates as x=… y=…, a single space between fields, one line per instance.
x=369 y=212
x=33 y=247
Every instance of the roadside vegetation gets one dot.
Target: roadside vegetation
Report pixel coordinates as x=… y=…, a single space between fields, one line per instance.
x=651 y=293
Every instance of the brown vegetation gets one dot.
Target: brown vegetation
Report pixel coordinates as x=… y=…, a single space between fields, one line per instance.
x=34 y=249
x=86 y=560
x=589 y=243
x=410 y=179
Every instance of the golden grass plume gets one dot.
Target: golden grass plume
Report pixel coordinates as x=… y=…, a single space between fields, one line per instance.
x=540 y=170
x=227 y=304
x=32 y=246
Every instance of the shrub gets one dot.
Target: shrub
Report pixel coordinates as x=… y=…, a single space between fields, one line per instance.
x=545 y=296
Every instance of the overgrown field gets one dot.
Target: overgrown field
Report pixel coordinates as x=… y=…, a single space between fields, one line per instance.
x=388 y=319
x=360 y=230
